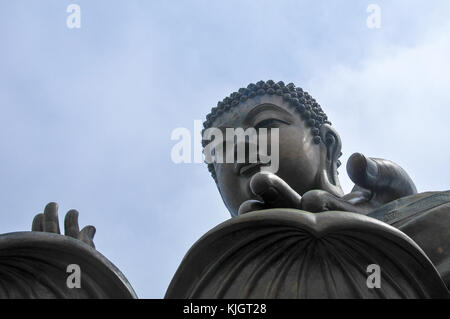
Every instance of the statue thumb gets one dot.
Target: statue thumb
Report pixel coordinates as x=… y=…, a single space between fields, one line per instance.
x=380 y=175
x=363 y=171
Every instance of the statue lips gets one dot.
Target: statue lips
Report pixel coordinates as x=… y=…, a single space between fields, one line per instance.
x=288 y=253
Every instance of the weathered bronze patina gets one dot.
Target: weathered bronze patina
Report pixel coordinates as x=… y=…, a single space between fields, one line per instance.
x=295 y=234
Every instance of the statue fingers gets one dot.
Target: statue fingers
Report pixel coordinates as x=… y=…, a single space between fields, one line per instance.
x=362 y=171
x=316 y=201
x=380 y=176
x=51 y=222
x=274 y=191
x=87 y=235
x=38 y=223
x=71 y=227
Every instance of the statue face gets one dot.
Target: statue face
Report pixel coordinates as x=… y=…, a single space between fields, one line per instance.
x=299 y=157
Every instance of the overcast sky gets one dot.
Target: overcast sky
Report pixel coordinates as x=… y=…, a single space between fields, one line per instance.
x=86 y=114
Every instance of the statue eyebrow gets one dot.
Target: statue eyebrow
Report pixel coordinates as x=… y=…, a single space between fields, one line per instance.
x=251 y=116
x=265 y=107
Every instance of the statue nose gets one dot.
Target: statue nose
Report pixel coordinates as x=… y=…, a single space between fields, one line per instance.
x=246 y=152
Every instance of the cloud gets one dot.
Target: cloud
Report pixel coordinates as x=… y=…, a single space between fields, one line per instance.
x=87 y=114
x=394 y=105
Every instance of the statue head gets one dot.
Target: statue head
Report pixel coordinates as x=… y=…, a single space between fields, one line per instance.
x=308 y=147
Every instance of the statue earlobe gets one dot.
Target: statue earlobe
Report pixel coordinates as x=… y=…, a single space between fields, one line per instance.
x=329 y=176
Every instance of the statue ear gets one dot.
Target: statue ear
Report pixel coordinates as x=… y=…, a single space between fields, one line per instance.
x=329 y=180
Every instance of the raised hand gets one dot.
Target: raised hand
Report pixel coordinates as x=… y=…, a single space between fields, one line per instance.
x=385 y=180
x=48 y=222
x=377 y=182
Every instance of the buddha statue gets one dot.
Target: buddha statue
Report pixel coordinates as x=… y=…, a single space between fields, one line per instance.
x=293 y=233
x=305 y=194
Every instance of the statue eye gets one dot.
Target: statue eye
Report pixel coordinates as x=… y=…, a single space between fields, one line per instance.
x=270 y=123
